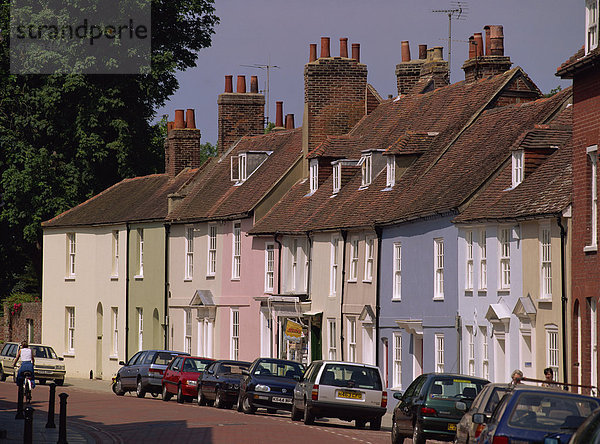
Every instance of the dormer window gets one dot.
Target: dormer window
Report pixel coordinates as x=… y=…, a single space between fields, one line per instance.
x=239 y=168
x=391 y=171
x=365 y=162
x=314 y=175
x=591 y=22
x=517 y=168
x=337 y=177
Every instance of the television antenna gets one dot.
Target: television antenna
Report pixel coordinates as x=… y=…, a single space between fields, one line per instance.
x=266 y=67
x=458 y=11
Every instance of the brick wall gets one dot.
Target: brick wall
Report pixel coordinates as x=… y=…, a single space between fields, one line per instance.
x=407 y=75
x=14 y=327
x=485 y=66
x=240 y=114
x=182 y=149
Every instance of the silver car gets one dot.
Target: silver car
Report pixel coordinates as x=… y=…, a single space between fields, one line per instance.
x=344 y=390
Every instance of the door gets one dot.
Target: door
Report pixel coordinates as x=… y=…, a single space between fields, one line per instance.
x=99 y=320
x=315 y=338
x=417 y=355
x=368 y=346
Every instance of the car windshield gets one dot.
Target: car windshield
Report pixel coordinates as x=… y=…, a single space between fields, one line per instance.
x=195 y=365
x=456 y=388
x=352 y=376
x=41 y=351
x=550 y=412
x=286 y=369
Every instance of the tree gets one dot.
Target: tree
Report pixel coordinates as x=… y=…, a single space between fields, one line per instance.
x=65 y=138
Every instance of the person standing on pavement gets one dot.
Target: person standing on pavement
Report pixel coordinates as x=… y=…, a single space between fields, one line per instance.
x=27 y=362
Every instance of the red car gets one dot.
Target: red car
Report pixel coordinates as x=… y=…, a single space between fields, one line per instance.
x=181 y=377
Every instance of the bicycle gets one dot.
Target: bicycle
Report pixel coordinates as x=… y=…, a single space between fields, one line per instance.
x=27 y=386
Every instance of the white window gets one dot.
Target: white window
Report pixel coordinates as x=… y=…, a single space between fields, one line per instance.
x=469 y=258
x=517 y=167
x=505 y=258
x=485 y=363
x=438 y=268
x=334 y=266
x=591 y=22
x=592 y=152
x=352 y=339
x=397 y=290
x=353 y=260
x=71 y=254
x=390 y=171
x=482 y=260
x=337 y=177
x=237 y=250
x=552 y=348
x=306 y=259
x=546 y=262
x=294 y=252
x=187 y=342
x=71 y=329
x=397 y=376
x=314 y=175
x=239 y=168
x=140 y=321
x=212 y=251
x=369 y=252
x=115 y=255
x=115 y=331
x=269 y=267
x=331 y=338
x=235 y=333
x=365 y=163
x=439 y=353
x=140 y=234
x=189 y=253
x=471 y=351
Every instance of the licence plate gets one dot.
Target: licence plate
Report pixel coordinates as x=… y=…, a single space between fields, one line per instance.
x=349 y=395
x=281 y=400
x=44 y=372
x=452 y=427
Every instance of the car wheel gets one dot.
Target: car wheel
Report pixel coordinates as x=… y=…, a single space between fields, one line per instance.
x=180 y=397
x=42 y=381
x=139 y=390
x=118 y=388
x=375 y=424
x=2 y=374
x=154 y=394
x=396 y=438
x=418 y=437
x=296 y=414
x=309 y=417
x=165 y=393
x=239 y=406
x=219 y=402
x=247 y=406
x=59 y=382
x=360 y=423
x=201 y=398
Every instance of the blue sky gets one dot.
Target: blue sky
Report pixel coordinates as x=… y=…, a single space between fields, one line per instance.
x=539 y=35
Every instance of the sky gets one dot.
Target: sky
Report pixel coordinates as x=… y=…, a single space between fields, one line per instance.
x=539 y=35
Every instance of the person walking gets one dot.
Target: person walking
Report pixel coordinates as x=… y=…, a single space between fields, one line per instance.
x=27 y=362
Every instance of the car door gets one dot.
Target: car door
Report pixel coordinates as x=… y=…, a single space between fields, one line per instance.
x=209 y=380
x=130 y=371
x=305 y=384
x=172 y=375
x=406 y=409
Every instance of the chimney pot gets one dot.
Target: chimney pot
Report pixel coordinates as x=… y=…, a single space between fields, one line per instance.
x=325 y=47
x=170 y=126
x=405 y=50
x=279 y=114
x=241 y=84
x=356 y=52
x=487 y=40
x=313 y=52
x=422 y=52
x=438 y=53
x=289 y=121
x=179 y=122
x=479 y=43
x=497 y=40
x=190 y=119
x=472 y=48
x=228 y=84
x=429 y=54
x=344 y=47
x=254 y=84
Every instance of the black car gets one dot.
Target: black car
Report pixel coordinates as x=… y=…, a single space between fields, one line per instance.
x=589 y=431
x=269 y=383
x=220 y=383
x=427 y=409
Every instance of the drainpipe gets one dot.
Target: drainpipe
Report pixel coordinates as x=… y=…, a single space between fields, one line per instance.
x=563 y=299
x=167 y=284
x=344 y=236
x=378 y=295
x=127 y=294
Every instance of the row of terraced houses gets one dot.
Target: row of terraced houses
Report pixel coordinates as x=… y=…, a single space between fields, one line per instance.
x=452 y=228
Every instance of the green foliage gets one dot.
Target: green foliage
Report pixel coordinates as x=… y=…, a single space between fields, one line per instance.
x=269 y=127
x=554 y=91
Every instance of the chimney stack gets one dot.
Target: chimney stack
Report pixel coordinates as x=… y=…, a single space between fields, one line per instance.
x=344 y=48
x=408 y=71
x=182 y=145
x=289 y=121
x=435 y=68
x=279 y=115
x=493 y=62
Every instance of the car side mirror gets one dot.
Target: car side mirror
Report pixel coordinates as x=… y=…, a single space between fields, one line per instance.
x=121 y=363
x=460 y=406
x=478 y=418
x=245 y=372
x=397 y=395
x=60 y=358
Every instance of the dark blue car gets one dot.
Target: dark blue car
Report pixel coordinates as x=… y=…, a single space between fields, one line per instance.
x=529 y=414
x=269 y=383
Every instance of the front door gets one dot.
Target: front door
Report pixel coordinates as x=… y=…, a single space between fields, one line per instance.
x=315 y=338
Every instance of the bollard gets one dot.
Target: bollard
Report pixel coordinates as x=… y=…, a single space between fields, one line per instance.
x=19 y=414
x=50 y=423
x=62 y=419
x=28 y=427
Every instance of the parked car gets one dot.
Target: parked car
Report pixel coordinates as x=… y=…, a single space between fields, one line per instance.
x=47 y=366
x=530 y=414
x=181 y=377
x=589 y=431
x=344 y=390
x=427 y=409
x=143 y=372
x=485 y=402
x=219 y=384
x=269 y=383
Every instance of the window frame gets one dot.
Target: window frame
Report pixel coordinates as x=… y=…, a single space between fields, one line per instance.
x=236 y=251
x=397 y=272
x=483 y=260
x=545 y=262
x=242 y=168
x=187 y=331
x=591 y=25
x=269 y=267
x=115 y=254
x=71 y=255
x=504 y=240
x=115 y=331
x=592 y=152
x=369 y=259
x=390 y=170
x=397 y=359
x=334 y=265
x=438 y=269
x=140 y=327
x=439 y=352
x=366 y=164
x=234 y=350
x=70 y=329
x=331 y=339
x=552 y=349
x=313 y=175
x=211 y=262
x=354 y=247
x=470 y=350
x=352 y=357
x=337 y=177
x=518 y=160
x=485 y=359
x=189 y=253
x=140 y=251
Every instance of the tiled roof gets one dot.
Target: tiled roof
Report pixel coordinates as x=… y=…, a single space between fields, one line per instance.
x=136 y=199
x=412 y=142
x=579 y=60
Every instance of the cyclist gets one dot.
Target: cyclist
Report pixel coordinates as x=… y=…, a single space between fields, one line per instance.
x=27 y=361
